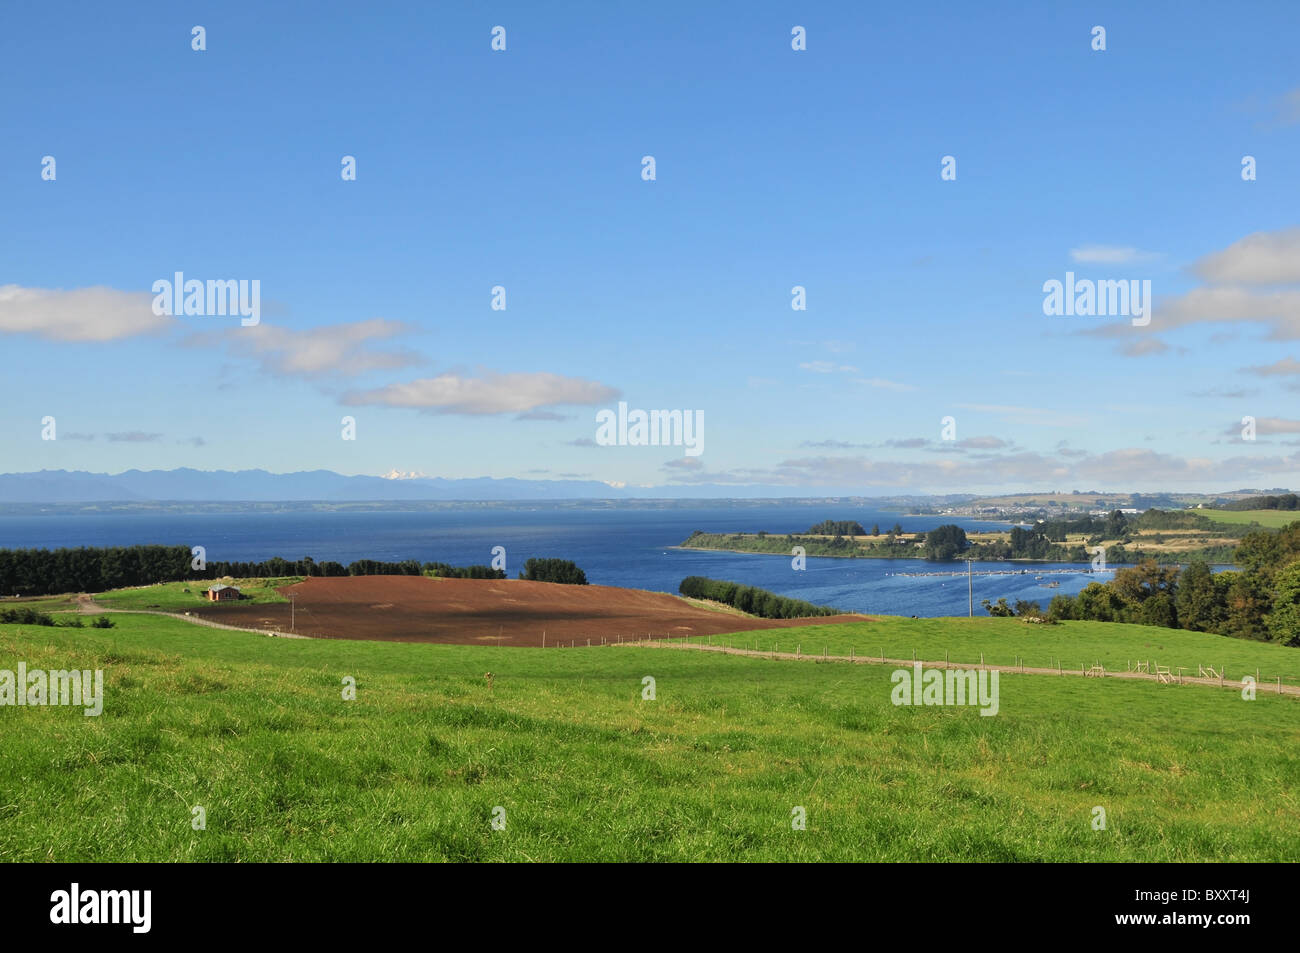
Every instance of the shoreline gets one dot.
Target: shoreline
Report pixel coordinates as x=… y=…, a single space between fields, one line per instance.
x=750 y=552
x=1068 y=562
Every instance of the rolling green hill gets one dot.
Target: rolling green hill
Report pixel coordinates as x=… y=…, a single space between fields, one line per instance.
x=255 y=730
x=1269 y=519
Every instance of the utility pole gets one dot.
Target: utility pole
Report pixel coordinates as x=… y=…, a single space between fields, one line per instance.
x=293 y=620
x=970 y=589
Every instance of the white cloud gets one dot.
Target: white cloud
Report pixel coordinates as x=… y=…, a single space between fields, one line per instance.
x=685 y=463
x=827 y=367
x=493 y=393
x=1120 y=469
x=1267 y=427
x=1285 y=367
x=883 y=384
x=337 y=349
x=1264 y=258
x=1110 y=255
x=1245 y=284
x=84 y=314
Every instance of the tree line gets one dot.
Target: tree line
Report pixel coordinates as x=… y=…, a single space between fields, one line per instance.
x=1259 y=600
x=1286 y=501
x=837 y=528
x=35 y=572
x=751 y=599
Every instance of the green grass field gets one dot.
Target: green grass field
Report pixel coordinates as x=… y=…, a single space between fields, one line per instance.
x=1269 y=519
x=179 y=596
x=255 y=730
x=1003 y=640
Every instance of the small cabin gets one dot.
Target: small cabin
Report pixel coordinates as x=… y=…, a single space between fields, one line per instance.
x=223 y=593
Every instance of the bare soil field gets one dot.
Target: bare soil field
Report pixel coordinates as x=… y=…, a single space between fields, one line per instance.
x=487 y=611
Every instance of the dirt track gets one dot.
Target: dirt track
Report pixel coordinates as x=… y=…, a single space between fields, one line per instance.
x=1010 y=669
x=485 y=611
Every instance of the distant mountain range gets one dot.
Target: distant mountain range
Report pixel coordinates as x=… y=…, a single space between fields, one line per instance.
x=189 y=486
x=212 y=486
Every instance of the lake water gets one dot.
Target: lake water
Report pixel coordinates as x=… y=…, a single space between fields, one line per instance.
x=616 y=546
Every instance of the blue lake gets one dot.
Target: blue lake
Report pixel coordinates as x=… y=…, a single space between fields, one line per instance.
x=616 y=546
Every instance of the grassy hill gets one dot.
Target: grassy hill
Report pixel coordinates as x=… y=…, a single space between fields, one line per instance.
x=1269 y=519
x=179 y=596
x=1001 y=641
x=255 y=730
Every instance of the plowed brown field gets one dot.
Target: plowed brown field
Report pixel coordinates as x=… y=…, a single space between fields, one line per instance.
x=485 y=611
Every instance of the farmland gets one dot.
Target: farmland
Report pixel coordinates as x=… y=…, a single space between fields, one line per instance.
x=1269 y=519
x=481 y=611
x=256 y=732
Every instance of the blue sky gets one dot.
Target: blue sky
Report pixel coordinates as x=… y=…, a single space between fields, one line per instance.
x=775 y=168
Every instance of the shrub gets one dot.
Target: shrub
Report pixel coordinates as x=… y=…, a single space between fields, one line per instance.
x=554 y=570
x=24 y=615
x=1062 y=608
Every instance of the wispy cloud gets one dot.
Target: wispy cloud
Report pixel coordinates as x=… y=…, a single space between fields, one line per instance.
x=332 y=350
x=1288 y=107
x=828 y=367
x=1284 y=367
x=1122 y=468
x=492 y=393
x=684 y=463
x=1111 y=255
x=543 y=415
x=1266 y=427
x=882 y=384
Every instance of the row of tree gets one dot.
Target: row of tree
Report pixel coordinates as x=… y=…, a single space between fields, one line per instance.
x=751 y=599
x=34 y=572
x=1286 y=501
x=839 y=528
